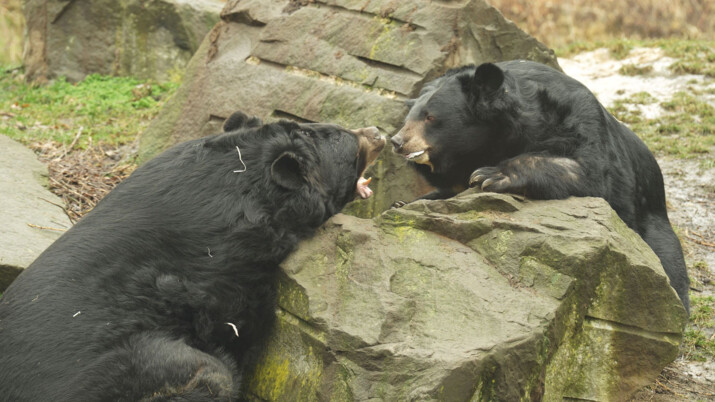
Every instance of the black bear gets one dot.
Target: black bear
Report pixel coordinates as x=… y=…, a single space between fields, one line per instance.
x=522 y=127
x=163 y=289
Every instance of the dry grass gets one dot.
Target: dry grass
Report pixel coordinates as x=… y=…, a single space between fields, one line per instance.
x=561 y=22
x=83 y=177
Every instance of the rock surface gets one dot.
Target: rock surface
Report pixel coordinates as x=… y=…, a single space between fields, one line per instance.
x=353 y=63
x=144 y=39
x=479 y=297
x=25 y=201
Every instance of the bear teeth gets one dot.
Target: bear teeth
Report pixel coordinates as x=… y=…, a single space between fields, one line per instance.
x=415 y=154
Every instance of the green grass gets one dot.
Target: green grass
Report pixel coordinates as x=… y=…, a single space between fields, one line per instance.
x=619 y=48
x=696 y=343
x=632 y=69
x=686 y=129
x=107 y=110
x=693 y=56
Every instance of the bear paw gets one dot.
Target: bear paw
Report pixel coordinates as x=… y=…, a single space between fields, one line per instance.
x=489 y=179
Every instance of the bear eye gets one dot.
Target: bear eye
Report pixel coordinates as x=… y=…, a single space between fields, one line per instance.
x=307 y=133
x=429 y=117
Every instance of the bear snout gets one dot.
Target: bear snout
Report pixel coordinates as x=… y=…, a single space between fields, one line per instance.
x=397 y=141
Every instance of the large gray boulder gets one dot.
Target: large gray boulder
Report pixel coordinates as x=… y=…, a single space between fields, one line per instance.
x=145 y=39
x=347 y=62
x=479 y=297
x=32 y=217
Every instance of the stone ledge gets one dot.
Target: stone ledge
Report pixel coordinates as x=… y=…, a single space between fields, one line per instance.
x=31 y=218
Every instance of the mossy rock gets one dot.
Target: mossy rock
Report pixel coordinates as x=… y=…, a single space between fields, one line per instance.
x=479 y=297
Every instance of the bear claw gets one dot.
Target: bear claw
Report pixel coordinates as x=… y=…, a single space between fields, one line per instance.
x=489 y=177
x=398 y=204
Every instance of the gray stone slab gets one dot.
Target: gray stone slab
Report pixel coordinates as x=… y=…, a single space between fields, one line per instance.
x=27 y=210
x=137 y=38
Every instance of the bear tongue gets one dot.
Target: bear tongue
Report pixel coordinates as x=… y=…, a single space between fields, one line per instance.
x=362 y=187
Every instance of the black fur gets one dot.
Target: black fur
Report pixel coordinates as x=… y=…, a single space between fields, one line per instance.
x=240 y=120
x=525 y=128
x=138 y=299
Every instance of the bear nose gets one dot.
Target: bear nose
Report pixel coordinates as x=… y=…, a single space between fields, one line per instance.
x=396 y=142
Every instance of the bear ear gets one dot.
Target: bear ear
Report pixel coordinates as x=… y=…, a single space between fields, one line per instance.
x=240 y=120
x=487 y=79
x=287 y=172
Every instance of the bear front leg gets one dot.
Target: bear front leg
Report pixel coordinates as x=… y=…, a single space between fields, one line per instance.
x=535 y=176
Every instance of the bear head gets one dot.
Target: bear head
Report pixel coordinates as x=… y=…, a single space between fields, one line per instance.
x=309 y=170
x=456 y=120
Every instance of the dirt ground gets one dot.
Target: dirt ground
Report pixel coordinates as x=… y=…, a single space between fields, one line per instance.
x=82 y=178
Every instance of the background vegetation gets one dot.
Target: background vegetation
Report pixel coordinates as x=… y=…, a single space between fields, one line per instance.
x=558 y=23
x=12 y=22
